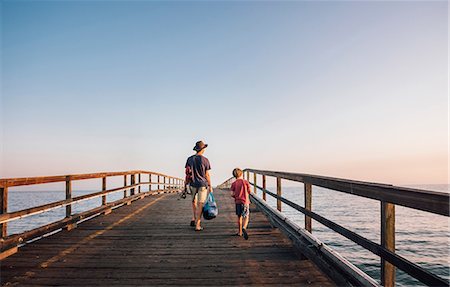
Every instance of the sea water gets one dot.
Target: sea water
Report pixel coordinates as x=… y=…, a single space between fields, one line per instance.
x=421 y=237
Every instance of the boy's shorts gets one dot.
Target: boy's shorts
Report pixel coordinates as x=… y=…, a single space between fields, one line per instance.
x=242 y=209
x=198 y=193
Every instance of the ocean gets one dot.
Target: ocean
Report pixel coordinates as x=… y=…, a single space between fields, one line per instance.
x=421 y=237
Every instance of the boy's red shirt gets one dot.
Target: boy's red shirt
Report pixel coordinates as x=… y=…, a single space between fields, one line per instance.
x=241 y=190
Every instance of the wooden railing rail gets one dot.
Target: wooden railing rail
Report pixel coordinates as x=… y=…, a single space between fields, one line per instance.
x=388 y=195
x=10 y=182
x=8 y=244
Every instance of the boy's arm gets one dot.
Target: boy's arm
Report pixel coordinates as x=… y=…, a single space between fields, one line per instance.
x=232 y=190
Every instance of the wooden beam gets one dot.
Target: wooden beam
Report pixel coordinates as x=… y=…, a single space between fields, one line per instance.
x=8 y=182
x=68 y=196
x=158 y=181
x=139 y=181
x=308 y=206
x=279 y=193
x=387 y=241
x=124 y=184
x=8 y=252
x=103 y=189
x=150 y=181
x=254 y=181
x=3 y=208
x=133 y=181
x=264 y=187
x=426 y=200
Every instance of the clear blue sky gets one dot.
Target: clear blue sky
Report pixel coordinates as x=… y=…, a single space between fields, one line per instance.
x=348 y=89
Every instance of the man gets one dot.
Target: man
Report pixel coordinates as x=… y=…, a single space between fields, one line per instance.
x=199 y=182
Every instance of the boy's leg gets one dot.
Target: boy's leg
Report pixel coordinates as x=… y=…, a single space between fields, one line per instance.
x=246 y=215
x=246 y=219
x=239 y=221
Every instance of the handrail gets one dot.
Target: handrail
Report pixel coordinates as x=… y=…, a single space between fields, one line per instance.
x=10 y=182
x=388 y=195
x=431 y=201
x=8 y=244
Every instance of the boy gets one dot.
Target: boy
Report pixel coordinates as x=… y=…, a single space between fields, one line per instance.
x=240 y=190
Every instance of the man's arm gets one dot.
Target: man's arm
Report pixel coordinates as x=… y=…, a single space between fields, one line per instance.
x=208 y=178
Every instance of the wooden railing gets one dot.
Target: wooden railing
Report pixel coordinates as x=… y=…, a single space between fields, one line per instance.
x=388 y=195
x=131 y=192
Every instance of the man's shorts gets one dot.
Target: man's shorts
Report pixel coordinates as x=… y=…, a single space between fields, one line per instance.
x=242 y=209
x=198 y=193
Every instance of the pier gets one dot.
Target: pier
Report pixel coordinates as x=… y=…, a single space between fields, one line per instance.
x=144 y=238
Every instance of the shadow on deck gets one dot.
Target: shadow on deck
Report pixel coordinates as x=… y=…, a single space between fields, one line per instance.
x=151 y=243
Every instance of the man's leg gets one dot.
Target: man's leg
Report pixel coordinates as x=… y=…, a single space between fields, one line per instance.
x=194 y=210
x=199 y=215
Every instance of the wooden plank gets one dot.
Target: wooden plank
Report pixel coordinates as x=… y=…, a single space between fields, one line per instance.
x=279 y=193
x=124 y=184
x=15 y=239
x=264 y=187
x=4 y=182
x=8 y=252
x=431 y=201
x=150 y=182
x=156 y=246
x=254 y=182
x=133 y=181
x=68 y=196
x=388 y=242
x=308 y=206
x=104 y=189
x=139 y=181
x=3 y=209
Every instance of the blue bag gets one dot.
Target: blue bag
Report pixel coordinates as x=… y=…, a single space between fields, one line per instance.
x=210 y=210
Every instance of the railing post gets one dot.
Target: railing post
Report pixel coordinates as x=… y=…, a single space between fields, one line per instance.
x=308 y=205
x=264 y=186
x=133 y=181
x=278 y=193
x=254 y=181
x=68 y=196
x=103 y=189
x=3 y=208
x=139 y=181
x=164 y=185
x=248 y=175
x=158 y=182
x=387 y=241
x=150 y=182
x=3 y=226
x=124 y=184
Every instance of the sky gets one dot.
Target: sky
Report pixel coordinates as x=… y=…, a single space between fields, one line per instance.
x=347 y=89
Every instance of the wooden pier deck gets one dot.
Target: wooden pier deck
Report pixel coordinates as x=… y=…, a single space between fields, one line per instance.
x=151 y=243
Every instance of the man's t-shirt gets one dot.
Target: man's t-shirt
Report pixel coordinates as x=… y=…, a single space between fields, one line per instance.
x=241 y=190
x=198 y=165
